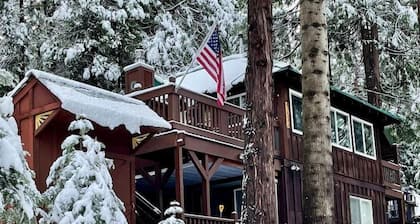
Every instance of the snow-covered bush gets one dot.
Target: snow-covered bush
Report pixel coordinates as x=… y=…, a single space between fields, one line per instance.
x=18 y=193
x=174 y=211
x=79 y=182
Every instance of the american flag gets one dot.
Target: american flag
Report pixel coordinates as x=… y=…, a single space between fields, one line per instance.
x=210 y=57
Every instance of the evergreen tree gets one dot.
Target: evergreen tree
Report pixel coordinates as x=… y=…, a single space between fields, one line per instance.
x=18 y=193
x=79 y=182
x=94 y=40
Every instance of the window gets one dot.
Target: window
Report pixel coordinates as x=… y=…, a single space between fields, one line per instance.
x=340 y=129
x=363 y=137
x=238 y=100
x=296 y=109
x=361 y=210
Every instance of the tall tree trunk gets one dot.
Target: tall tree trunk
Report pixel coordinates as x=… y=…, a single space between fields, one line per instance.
x=22 y=63
x=258 y=155
x=371 y=62
x=318 y=185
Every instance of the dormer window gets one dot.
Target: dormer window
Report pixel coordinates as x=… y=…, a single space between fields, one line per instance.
x=363 y=137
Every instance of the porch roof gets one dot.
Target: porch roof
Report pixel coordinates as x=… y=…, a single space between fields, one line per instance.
x=105 y=108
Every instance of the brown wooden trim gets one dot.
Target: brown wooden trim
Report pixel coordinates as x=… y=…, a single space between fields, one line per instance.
x=179 y=176
x=198 y=165
x=212 y=148
x=394 y=194
x=352 y=181
x=24 y=90
x=215 y=167
x=390 y=165
x=158 y=143
x=33 y=112
x=207 y=133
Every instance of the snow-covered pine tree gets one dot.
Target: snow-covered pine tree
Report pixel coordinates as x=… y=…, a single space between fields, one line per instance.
x=173 y=213
x=94 y=40
x=79 y=182
x=21 y=20
x=18 y=193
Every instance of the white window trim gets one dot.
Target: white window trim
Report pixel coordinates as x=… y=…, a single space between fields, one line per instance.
x=353 y=118
x=335 y=110
x=297 y=94
x=240 y=95
x=360 y=207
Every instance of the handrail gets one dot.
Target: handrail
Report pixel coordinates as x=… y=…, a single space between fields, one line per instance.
x=391 y=174
x=208 y=218
x=148 y=204
x=196 y=109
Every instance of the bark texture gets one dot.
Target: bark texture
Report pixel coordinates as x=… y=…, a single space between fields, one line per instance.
x=318 y=186
x=258 y=155
x=371 y=62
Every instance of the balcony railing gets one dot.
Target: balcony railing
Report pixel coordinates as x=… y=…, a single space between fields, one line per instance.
x=391 y=173
x=201 y=219
x=195 y=109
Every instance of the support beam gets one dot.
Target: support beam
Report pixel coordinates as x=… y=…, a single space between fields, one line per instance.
x=179 y=176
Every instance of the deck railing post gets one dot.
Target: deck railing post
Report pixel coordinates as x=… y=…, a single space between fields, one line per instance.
x=173 y=111
x=224 y=122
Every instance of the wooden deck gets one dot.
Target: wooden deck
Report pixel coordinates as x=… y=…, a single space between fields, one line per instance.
x=194 y=109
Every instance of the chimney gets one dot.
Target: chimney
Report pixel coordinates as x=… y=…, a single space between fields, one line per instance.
x=138 y=76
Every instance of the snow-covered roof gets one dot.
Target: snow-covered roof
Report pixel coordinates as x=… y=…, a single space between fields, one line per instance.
x=105 y=108
x=234 y=67
x=136 y=65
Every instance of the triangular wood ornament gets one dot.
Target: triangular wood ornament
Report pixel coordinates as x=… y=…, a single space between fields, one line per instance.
x=41 y=118
x=137 y=140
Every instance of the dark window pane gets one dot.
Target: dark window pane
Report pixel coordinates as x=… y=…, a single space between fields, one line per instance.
x=370 y=148
x=297 y=112
x=343 y=130
x=358 y=136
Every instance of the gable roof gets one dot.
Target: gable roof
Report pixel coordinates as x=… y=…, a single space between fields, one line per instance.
x=234 y=70
x=105 y=108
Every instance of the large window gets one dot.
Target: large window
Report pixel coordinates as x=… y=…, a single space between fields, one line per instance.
x=340 y=129
x=238 y=100
x=364 y=142
x=361 y=210
x=296 y=109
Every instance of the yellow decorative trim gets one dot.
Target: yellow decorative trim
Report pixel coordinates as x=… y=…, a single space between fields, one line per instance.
x=41 y=118
x=137 y=140
x=287 y=114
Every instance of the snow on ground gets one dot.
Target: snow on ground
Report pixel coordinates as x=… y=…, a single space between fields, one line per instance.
x=101 y=106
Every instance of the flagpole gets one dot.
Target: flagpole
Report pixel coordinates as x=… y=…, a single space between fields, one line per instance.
x=196 y=55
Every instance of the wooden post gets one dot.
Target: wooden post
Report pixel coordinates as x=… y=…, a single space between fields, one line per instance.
x=206 y=187
x=173 y=110
x=179 y=176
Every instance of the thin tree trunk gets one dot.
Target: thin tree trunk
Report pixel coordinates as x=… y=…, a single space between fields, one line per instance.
x=318 y=185
x=371 y=62
x=22 y=63
x=258 y=156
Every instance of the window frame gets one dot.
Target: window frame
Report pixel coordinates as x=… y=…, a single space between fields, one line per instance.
x=299 y=95
x=240 y=95
x=349 y=129
x=363 y=122
x=359 y=199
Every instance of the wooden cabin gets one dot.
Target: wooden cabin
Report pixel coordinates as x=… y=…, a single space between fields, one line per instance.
x=198 y=164
x=45 y=104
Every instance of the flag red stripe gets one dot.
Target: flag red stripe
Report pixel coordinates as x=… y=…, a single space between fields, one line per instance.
x=208 y=68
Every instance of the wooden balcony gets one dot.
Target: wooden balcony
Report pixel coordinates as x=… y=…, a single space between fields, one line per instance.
x=201 y=219
x=194 y=109
x=391 y=177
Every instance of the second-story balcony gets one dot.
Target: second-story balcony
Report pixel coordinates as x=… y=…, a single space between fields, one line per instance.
x=191 y=109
